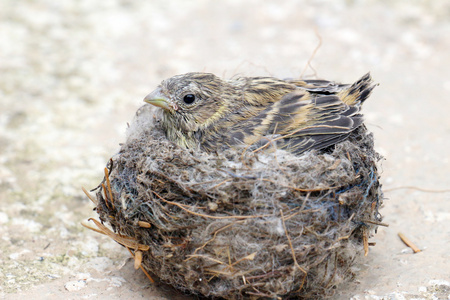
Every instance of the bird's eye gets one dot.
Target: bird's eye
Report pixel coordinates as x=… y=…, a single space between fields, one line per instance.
x=189 y=99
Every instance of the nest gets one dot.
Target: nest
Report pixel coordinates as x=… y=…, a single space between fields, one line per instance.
x=242 y=224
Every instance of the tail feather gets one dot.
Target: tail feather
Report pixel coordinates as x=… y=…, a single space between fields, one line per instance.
x=359 y=91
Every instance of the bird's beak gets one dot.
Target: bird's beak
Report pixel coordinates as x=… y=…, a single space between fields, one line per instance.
x=157 y=98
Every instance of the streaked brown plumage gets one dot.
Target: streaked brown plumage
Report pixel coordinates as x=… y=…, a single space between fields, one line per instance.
x=201 y=109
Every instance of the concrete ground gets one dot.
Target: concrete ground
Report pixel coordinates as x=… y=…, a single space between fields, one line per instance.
x=73 y=73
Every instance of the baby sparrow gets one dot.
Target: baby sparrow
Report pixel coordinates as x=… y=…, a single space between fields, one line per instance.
x=201 y=109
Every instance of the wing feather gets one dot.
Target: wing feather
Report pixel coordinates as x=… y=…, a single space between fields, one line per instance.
x=316 y=115
x=301 y=121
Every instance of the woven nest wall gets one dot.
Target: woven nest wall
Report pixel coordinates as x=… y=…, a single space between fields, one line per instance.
x=239 y=224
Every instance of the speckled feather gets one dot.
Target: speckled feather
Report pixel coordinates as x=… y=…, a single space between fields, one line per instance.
x=297 y=115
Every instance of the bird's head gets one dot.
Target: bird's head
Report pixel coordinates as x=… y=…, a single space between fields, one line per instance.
x=189 y=101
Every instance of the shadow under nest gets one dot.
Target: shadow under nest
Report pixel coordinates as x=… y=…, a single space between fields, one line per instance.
x=239 y=224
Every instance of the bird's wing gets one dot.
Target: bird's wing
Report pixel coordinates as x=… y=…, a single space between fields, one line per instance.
x=358 y=92
x=300 y=121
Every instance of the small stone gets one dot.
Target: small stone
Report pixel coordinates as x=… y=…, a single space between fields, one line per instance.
x=77 y=285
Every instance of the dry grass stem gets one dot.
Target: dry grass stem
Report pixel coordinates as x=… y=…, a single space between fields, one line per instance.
x=408 y=243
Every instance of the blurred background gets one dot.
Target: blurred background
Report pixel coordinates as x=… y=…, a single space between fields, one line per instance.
x=74 y=72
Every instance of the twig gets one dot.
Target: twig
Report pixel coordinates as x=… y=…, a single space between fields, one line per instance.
x=408 y=242
x=248 y=257
x=208 y=216
x=123 y=240
x=214 y=236
x=108 y=183
x=105 y=195
x=308 y=64
x=89 y=196
x=300 y=212
x=220 y=183
x=365 y=242
x=299 y=189
x=265 y=275
x=88 y=226
x=269 y=143
x=293 y=251
x=142 y=268
x=375 y=223
x=206 y=257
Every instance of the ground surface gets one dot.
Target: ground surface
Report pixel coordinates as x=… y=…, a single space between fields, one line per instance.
x=74 y=72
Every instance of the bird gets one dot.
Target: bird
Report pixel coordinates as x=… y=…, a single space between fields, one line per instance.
x=203 y=111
